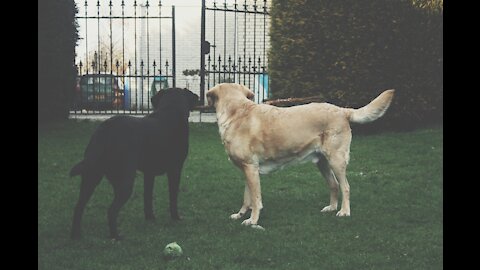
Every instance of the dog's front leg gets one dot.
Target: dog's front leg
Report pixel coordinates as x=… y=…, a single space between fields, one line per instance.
x=246 y=204
x=253 y=182
x=148 y=180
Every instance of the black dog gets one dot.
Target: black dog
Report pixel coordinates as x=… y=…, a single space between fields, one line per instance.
x=155 y=144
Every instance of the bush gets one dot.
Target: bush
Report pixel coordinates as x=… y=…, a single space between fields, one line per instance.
x=57 y=37
x=350 y=51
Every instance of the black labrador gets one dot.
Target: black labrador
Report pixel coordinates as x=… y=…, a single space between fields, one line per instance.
x=155 y=144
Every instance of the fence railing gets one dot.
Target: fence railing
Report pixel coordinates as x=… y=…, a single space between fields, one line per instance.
x=125 y=54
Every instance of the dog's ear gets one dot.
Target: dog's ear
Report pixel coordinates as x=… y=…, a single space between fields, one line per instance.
x=248 y=93
x=192 y=98
x=212 y=97
x=156 y=99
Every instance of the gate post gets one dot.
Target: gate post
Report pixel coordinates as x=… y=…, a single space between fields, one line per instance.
x=202 y=56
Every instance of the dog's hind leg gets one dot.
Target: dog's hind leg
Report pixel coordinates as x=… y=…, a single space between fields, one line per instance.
x=338 y=163
x=87 y=186
x=245 y=206
x=148 y=196
x=327 y=173
x=253 y=182
x=122 y=191
x=173 y=187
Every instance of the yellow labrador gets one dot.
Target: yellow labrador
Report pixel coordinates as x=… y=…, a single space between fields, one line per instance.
x=261 y=138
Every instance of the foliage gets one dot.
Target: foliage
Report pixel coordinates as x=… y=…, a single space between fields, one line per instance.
x=57 y=37
x=350 y=51
x=191 y=72
x=435 y=6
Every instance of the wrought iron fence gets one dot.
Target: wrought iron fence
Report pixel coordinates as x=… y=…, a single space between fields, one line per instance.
x=235 y=44
x=122 y=58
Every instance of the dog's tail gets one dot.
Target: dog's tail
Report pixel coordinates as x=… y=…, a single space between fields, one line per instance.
x=373 y=110
x=93 y=153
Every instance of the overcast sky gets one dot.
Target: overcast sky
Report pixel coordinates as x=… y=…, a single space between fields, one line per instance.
x=187 y=20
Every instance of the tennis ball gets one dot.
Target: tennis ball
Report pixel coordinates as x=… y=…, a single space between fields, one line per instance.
x=172 y=250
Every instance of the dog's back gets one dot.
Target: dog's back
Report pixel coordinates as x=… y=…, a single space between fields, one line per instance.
x=114 y=139
x=143 y=143
x=146 y=143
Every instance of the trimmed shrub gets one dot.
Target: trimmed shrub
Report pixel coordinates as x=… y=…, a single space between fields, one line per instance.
x=350 y=51
x=57 y=37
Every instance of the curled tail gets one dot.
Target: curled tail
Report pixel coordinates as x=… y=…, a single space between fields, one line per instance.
x=373 y=110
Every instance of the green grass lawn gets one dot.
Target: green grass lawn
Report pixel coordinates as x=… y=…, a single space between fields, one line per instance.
x=396 y=217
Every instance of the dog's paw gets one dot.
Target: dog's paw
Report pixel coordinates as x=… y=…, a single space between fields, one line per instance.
x=343 y=213
x=329 y=208
x=258 y=227
x=248 y=222
x=236 y=216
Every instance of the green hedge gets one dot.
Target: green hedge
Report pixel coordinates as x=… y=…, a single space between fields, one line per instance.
x=350 y=51
x=57 y=37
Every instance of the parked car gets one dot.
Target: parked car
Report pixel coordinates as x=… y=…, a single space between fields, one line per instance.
x=137 y=91
x=99 y=92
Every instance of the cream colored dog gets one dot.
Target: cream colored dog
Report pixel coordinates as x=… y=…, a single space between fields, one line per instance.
x=261 y=138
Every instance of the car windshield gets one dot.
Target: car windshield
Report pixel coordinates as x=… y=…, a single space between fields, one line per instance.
x=100 y=80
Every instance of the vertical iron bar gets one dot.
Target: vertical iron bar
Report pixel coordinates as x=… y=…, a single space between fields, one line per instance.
x=111 y=37
x=99 y=55
x=224 y=36
x=79 y=100
x=98 y=34
x=219 y=67
x=142 y=83
x=130 y=86
x=123 y=57
x=208 y=77
x=244 y=38
x=234 y=39
x=148 y=58
x=258 y=80
x=105 y=94
x=116 y=81
x=255 y=75
x=173 y=48
x=229 y=68
x=214 y=72
x=160 y=38
x=166 y=69
x=264 y=31
x=214 y=36
x=239 y=69
x=111 y=52
x=202 y=57
x=86 y=54
x=153 y=83
x=264 y=48
x=254 y=32
x=249 y=71
x=160 y=41
x=136 y=60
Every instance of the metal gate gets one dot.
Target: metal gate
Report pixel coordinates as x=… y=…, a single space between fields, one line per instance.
x=126 y=53
x=234 y=45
